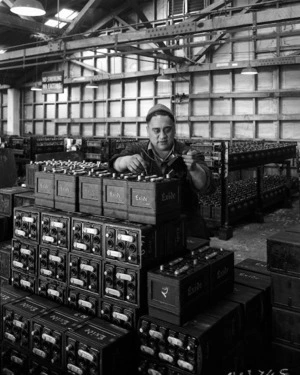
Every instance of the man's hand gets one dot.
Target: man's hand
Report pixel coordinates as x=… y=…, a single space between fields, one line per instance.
x=191 y=158
x=136 y=164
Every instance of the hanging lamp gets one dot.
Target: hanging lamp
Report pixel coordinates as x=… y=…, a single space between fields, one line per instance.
x=36 y=87
x=249 y=70
x=31 y=8
x=92 y=85
x=162 y=78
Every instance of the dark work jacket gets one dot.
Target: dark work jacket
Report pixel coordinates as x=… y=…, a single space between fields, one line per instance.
x=189 y=199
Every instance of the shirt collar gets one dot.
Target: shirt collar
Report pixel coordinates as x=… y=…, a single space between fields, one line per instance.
x=155 y=154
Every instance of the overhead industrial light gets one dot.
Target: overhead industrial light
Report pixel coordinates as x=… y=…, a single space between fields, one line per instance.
x=31 y=8
x=163 y=78
x=249 y=70
x=92 y=85
x=36 y=87
x=78 y=79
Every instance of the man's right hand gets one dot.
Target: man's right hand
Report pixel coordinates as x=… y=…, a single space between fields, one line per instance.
x=134 y=163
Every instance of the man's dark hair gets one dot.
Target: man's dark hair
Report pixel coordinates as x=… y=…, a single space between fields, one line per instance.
x=161 y=113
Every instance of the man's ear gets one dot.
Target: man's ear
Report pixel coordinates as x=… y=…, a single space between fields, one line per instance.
x=147 y=128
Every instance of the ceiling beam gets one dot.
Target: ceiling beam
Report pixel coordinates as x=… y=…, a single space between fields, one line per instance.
x=155 y=54
x=122 y=22
x=82 y=16
x=137 y=8
x=206 y=11
x=107 y=18
x=87 y=66
x=220 y=35
x=150 y=35
x=146 y=23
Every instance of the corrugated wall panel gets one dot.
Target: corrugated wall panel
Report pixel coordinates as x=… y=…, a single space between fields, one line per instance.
x=75 y=110
x=182 y=130
x=100 y=130
x=200 y=83
x=130 y=108
x=243 y=107
x=243 y=130
x=130 y=129
x=201 y=129
x=266 y=130
x=290 y=130
x=221 y=130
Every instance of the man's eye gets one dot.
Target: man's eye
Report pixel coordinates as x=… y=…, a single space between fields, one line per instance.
x=156 y=131
x=168 y=130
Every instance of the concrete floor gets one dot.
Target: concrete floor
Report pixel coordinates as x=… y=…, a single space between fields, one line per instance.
x=249 y=238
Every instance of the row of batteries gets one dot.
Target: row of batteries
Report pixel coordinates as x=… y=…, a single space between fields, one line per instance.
x=100 y=277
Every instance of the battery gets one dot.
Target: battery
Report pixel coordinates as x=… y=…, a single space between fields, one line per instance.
x=5 y=261
x=115 y=197
x=49 y=334
x=177 y=290
x=13 y=360
x=24 y=199
x=17 y=316
x=120 y=314
x=182 y=287
x=83 y=301
x=66 y=192
x=24 y=256
x=44 y=188
x=195 y=347
x=132 y=243
x=87 y=235
x=85 y=272
x=153 y=202
x=255 y=280
x=254 y=265
x=9 y=294
x=26 y=224
x=91 y=194
x=25 y=281
x=56 y=229
x=30 y=173
x=286 y=326
x=283 y=253
x=127 y=284
x=53 y=263
x=7 y=199
x=100 y=348
x=284 y=291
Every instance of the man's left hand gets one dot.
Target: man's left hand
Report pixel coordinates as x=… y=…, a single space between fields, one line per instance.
x=191 y=158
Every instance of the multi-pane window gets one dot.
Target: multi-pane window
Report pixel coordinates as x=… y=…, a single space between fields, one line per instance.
x=180 y=7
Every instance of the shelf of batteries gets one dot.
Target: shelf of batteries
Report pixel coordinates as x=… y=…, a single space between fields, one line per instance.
x=96 y=149
x=242 y=198
x=235 y=200
x=27 y=146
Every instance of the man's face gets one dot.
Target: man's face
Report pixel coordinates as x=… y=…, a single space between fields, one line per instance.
x=161 y=132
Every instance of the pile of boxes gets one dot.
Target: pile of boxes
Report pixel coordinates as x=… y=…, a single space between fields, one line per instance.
x=125 y=292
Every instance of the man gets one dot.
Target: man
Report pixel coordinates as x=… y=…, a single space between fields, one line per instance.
x=162 y=155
